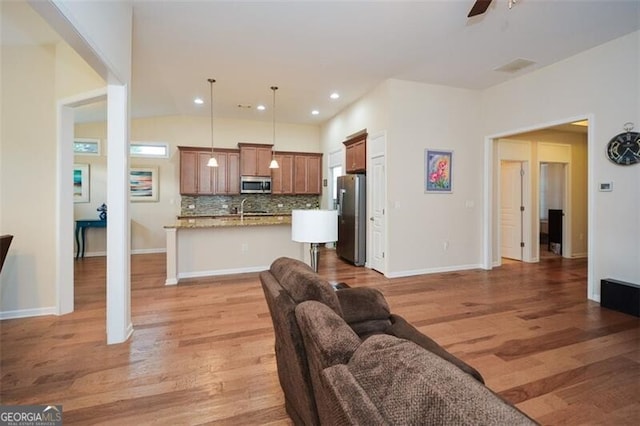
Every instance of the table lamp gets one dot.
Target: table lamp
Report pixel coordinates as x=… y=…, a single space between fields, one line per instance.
x=314 y=227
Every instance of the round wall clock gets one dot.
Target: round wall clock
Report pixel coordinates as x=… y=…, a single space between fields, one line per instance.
x=624 y=149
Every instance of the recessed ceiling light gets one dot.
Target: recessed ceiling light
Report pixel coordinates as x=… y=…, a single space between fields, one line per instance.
x=334 y=95
x=261 y=107
x=198 y=101
x=315 y=112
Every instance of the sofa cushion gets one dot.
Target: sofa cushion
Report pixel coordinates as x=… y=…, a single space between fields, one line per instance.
x=410 y=385
x=402 y=329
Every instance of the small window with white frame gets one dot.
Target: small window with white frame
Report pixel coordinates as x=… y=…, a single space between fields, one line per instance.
x=86 y=146
x=149 y=149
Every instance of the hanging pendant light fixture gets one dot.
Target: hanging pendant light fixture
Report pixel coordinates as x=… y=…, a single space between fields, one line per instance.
x=212 y=161
x=274 y=163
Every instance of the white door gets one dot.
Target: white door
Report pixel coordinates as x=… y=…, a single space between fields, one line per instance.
x=377 y=217
x=510 y=214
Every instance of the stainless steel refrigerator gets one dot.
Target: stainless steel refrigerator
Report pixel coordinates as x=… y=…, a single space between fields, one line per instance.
x=352 y=217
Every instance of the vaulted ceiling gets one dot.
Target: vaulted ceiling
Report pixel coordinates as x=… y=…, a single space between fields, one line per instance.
x=313 y=48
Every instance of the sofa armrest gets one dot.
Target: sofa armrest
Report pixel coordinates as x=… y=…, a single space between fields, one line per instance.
x=346 y=403
x=402 y=329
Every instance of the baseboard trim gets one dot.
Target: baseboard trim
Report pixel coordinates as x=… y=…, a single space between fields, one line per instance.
x=410 y=273
x=200 y=274
x=149 y=251
x=28 y=313
x=136 y=251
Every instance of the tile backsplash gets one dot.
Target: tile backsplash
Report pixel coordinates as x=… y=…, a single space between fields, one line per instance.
x=214 y=205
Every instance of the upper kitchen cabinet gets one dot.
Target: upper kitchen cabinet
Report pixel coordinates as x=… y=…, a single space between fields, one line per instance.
x=356 y=153
x=282 y=177
x=196 y=178
x=255 y=159
x=307 y=173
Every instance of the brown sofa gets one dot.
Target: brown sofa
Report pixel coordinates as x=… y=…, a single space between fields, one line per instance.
x=290 y=282
x=385 y=380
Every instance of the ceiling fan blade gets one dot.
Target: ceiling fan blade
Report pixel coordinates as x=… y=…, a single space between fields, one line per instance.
x=479 y=7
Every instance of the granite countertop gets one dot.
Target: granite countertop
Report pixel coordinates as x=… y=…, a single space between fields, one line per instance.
x=185 y=222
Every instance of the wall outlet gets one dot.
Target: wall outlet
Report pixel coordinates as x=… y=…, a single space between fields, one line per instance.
x=445 y=246
x=225 y=206
x=280 y=205
x=191 y=206
x=244 y=247
x=308 y=204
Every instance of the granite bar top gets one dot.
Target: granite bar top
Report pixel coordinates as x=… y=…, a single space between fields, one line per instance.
x=229 y=221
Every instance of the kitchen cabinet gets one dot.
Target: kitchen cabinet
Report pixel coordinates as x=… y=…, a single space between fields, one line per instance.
x=356 y=153
x=255 y=159
x=307 y=173
x=196 y=178
x=282 y=177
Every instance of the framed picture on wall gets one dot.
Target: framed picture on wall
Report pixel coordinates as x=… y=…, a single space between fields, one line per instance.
x=438 y=171
x=80 y=183
x=143 y=184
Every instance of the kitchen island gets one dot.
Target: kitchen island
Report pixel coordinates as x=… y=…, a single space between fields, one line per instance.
x=207 y=246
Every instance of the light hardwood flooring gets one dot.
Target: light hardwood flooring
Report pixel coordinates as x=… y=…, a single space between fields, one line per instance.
x=202 y=351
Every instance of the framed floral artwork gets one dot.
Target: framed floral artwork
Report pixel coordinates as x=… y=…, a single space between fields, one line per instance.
x=438 y=169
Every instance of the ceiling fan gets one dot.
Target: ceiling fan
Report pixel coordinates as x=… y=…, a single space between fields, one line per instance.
x=481 y=6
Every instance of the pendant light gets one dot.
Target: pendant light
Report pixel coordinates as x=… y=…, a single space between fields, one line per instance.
x=212 y=161
x=274 y=163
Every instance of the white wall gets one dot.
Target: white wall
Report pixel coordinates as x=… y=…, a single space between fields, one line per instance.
x=587 y=85
x=433 y=232
x=33 y=77
x=417 y=116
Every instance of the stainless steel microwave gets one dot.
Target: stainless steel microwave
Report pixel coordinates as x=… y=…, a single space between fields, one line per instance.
x=255 y=185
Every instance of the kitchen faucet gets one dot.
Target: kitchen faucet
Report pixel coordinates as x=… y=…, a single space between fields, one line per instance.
x=242 y=208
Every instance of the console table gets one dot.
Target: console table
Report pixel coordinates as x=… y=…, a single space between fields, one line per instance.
x=81 y=226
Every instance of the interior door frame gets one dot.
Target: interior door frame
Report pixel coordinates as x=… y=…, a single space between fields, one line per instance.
x=65 y=216
x=488 y=192
x=376 y=147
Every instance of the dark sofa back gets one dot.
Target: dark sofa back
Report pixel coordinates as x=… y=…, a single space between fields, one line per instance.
x=287 y=283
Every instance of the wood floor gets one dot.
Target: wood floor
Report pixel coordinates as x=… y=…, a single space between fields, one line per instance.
x=202 y=351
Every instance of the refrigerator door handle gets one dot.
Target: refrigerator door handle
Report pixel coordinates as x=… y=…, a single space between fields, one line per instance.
x=341 y=201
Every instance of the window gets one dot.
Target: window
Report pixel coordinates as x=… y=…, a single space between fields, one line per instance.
x=149 y=149
x=84 y=146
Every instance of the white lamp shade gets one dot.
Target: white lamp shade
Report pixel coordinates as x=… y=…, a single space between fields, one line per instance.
x=314 y=226
x=212 y=162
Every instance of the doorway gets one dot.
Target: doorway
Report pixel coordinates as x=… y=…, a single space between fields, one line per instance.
x=566 y=142
x=552 y=188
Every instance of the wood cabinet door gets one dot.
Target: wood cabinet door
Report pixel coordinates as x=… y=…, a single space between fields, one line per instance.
x=300 y=174
x=188 y=172
x=248 y=161
x=360 y=156
x=233 y=173
x=220 y=178
x=307 y=174
x=314 y=175
x=282 y=177
x=356 y=157
x=205 y=180
x=263 y=159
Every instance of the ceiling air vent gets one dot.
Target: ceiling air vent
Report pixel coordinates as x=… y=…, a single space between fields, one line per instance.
x=515 y=65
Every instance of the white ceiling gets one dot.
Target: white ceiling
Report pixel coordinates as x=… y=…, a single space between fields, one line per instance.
x=311 y=48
